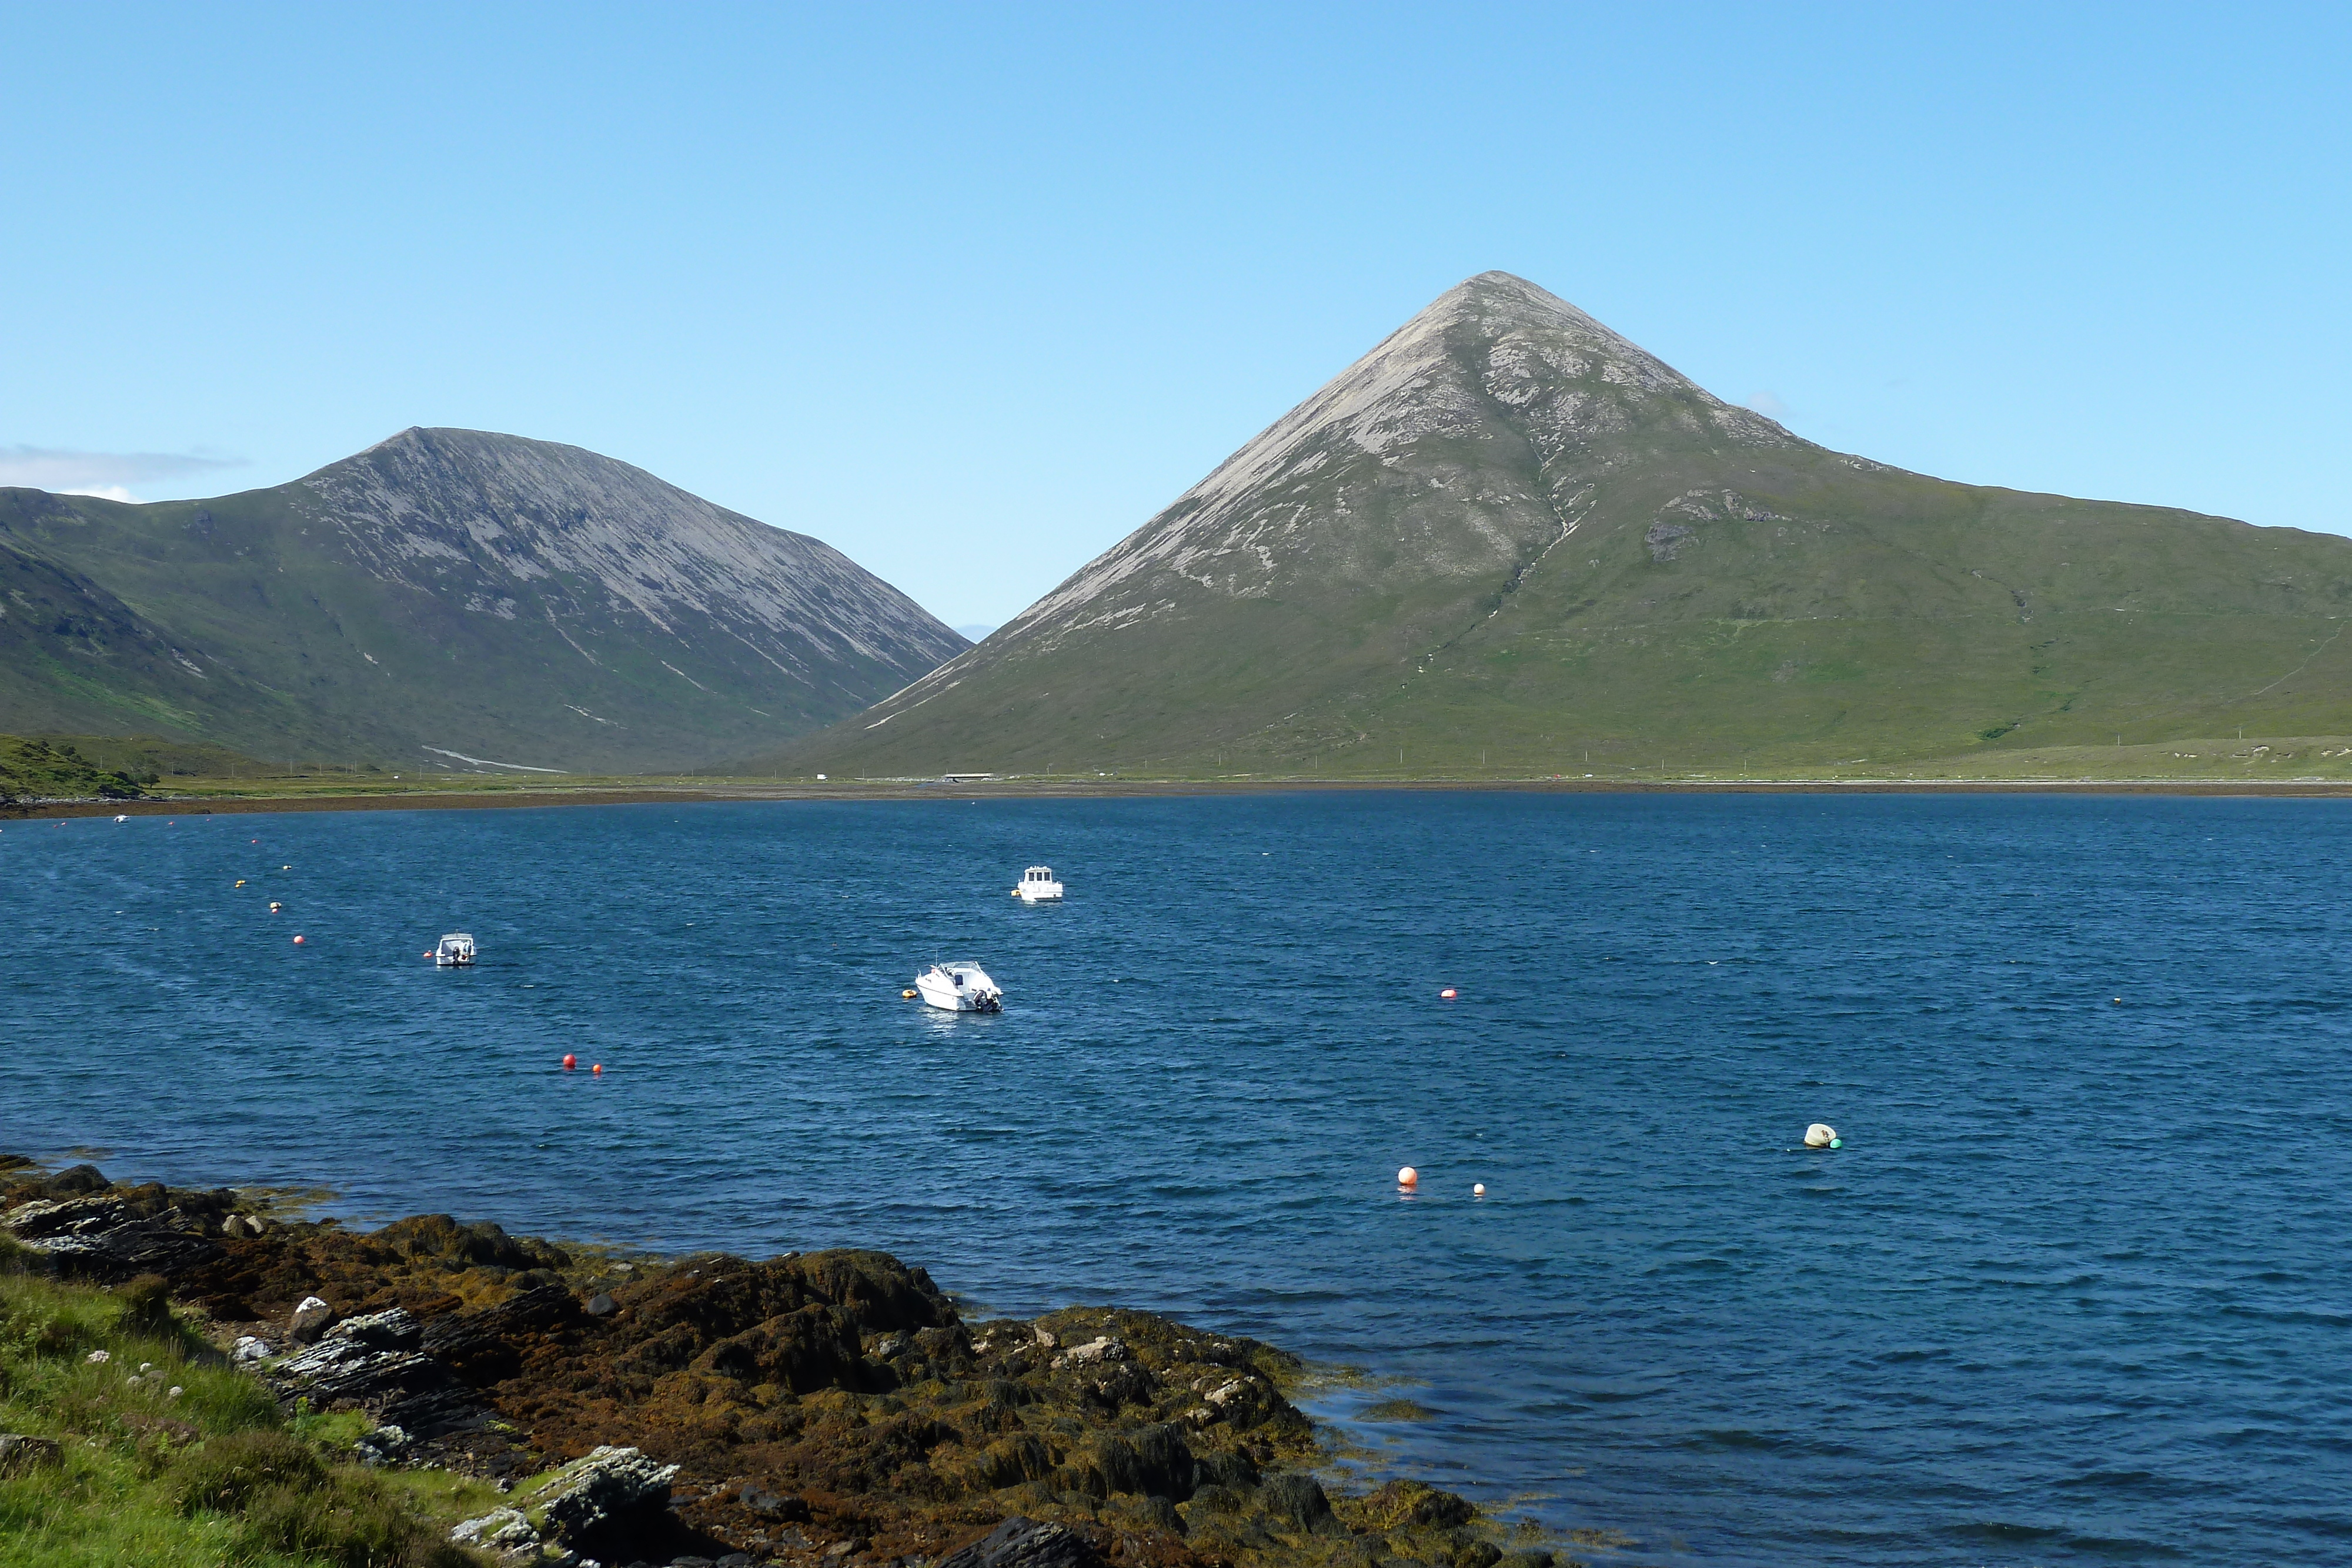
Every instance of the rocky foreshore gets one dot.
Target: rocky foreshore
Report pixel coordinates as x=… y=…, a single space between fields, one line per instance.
x=830 y=1409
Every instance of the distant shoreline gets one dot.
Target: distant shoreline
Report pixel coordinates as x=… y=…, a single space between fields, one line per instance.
x=1020 y=790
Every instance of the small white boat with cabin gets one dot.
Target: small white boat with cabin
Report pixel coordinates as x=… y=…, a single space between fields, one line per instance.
x=962 y=987
x=456 y=952
x=1037 y=886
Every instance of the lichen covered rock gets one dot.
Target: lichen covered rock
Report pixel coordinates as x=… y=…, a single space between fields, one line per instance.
x=610 y=1487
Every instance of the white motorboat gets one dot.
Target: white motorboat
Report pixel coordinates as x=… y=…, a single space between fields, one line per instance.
x=962 y=987
x=454 y=952
x=1037 y=886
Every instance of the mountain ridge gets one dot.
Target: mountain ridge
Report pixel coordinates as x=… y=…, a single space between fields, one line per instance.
x=441 y=594
x=1383 y=568
x=1404 y=361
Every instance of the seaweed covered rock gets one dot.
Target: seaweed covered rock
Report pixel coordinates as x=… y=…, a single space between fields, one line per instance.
x=1021 y=1542
x=439 y=1239
x=74 y=1180
x=1299 y=1499
x=488 y=1346
x=1400 y=1504
x=821 y=1410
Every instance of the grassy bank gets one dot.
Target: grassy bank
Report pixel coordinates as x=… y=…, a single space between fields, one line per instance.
x=2276 y=764
x=32 y=769
x=170 y=1457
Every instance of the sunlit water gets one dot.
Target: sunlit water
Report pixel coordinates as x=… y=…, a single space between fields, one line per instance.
x=2077 y=1288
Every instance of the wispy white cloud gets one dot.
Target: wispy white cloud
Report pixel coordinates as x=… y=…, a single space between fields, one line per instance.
x=1769 y=404
x=107 y=474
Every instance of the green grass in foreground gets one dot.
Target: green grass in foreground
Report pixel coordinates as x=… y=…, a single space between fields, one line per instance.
x=207 y=1478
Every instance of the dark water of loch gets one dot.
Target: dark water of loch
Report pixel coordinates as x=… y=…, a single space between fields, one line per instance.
x=2077 y=1290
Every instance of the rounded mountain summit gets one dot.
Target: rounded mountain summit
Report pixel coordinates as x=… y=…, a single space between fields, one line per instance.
x=446 y=599
x=1507 y=538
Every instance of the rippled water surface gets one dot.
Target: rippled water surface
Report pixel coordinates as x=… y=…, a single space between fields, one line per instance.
x=2077 y=1288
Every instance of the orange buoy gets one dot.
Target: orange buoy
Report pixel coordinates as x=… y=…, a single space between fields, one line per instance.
x=598 y=1068
x=1408 y=1176
x=570 y=1061
x=297 y=941
x=1446 y=994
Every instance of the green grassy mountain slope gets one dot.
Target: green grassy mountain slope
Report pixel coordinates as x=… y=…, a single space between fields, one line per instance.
x=448 y=598
x=1508 y=538
x=33 y=769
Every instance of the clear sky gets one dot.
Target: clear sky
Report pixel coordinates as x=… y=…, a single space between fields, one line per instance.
x=970 y=291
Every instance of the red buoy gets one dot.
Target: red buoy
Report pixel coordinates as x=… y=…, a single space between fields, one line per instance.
x=1446 y=994
x=570 y=1061
x=297 y=941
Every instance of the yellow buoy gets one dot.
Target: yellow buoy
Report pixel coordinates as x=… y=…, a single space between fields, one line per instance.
x=240 y=882
x=908 y=995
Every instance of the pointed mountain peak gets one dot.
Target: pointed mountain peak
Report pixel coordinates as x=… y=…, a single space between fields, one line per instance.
x=1509 y=530
x=1502 y=314
x=1493 y=347
x=1506 y=296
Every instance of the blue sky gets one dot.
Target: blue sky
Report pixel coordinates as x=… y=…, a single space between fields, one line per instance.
x=970 y=291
